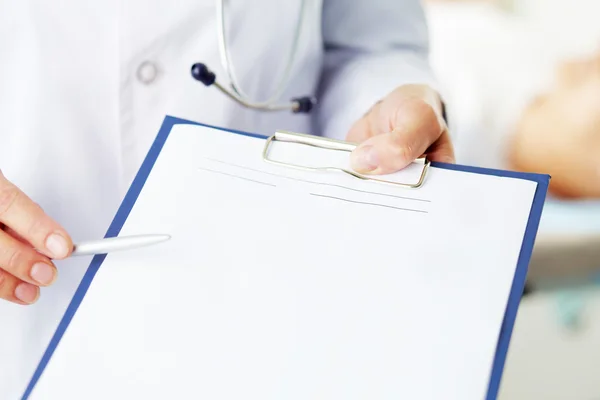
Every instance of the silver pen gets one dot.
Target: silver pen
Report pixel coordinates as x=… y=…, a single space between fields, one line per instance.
x=109 y=245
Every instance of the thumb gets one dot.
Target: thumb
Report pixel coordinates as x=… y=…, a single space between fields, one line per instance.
x=383 y=154
x=416 y=128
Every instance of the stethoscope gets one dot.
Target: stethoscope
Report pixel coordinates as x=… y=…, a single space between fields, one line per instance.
x=201 y=73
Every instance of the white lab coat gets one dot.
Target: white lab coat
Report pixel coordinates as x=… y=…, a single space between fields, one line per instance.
x=85 y=85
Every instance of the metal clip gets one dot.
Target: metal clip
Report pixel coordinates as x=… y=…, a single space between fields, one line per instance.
x=337 y=145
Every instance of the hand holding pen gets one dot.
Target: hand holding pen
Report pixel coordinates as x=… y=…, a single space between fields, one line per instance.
x=30 y=240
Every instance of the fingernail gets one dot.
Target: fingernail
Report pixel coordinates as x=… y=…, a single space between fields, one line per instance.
x=42 y=273
x=365 y=159
x=26 y=292
x=57 y=245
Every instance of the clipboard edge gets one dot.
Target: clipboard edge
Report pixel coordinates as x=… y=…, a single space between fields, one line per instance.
x=113 y=230
x=519 y=279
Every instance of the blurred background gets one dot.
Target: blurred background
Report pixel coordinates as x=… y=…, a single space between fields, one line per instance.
x=522 y=81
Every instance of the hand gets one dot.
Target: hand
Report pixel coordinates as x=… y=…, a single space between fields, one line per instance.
x=24 y=228
x=402 y=127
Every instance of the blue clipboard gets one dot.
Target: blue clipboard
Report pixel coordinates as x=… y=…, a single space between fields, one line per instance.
x=144 y=171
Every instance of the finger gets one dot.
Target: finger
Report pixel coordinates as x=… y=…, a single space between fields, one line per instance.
x=25 y=263
x=360 y=131
x=367 y=126
x=442 y=150
x=30 y=222
x=416 y=128
x=17 y=291
x=11 y=232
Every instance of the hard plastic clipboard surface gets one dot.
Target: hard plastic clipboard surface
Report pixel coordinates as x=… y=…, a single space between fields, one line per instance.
x=140 y=179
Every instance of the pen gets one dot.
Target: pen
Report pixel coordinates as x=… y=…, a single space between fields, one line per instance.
x=109 y=245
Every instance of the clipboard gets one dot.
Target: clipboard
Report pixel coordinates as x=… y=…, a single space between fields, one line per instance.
x=136 y=187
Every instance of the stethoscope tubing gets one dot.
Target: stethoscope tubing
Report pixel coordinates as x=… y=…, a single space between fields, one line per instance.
x=201 y=72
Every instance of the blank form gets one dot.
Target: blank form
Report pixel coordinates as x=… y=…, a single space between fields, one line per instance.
x=280 y=283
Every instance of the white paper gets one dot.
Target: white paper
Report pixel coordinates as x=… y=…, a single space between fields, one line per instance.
x=285 y=284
